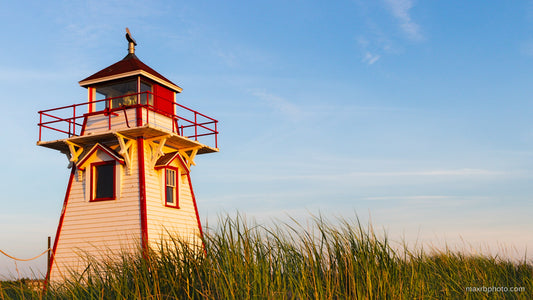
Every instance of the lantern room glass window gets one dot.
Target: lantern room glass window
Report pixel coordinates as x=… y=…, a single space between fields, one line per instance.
x=124 y=93
x=145 y=94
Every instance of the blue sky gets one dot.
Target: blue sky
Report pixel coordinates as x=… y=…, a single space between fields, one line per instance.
x=416 y=115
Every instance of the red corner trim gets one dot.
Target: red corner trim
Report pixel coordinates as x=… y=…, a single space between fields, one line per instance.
x=59 y=226
x=142 y=193
x=84 y=124
x=195 y=207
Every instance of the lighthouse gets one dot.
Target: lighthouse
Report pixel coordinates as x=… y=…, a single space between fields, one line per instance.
x=130 y=148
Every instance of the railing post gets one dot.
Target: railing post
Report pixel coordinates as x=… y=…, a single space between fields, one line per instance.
x=216 y=135
x=40 y=124
x=74 y=120
x=49 y=255
x=69 y=127
x=108 y=111
x=195 y=127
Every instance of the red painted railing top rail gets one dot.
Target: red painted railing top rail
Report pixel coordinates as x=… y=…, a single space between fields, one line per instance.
x=68 y=120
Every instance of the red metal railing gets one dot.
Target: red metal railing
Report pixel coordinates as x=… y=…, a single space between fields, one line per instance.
x=69 y=120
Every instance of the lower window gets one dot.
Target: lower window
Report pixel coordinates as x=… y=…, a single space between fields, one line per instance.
x=171 y=191
x=103 y=181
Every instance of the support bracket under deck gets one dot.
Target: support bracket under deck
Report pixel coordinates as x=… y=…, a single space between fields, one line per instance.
x=126 y=150
x=189 y=158
x=156 y=149
x=74 y=152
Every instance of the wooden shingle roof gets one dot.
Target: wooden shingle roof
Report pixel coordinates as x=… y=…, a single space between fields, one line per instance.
x=165 y=160
x=131 y=65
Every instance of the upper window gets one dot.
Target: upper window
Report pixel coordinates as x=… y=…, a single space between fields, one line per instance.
x=145 y=92
x=171 y=188
x=122 y=94
x=103 y=181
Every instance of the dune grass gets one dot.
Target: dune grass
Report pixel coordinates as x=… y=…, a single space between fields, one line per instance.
x=247 y=261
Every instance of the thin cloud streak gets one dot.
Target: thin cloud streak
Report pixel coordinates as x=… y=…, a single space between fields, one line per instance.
x=280 y=104
x=371 y=58
x=400 y=9
x=428 y=173
x=464 y=174
x=18 y=75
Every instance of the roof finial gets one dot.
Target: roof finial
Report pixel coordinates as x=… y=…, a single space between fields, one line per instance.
x=131 y=42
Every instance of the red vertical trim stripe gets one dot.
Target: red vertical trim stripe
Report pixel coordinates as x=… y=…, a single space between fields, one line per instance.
x=91 y=92
x=60 y=225
x=142 y=193
x=195 y=207
x=138 y=115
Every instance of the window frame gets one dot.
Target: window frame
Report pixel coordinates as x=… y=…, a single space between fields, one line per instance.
x=142 y=97
x=177 y=175
x=93 y=181
x=120 y=100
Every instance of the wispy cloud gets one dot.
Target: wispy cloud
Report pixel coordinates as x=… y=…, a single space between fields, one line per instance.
x=381 y=177
x=431 y=200
x=373 y=44
x=376 y=40
x=279 y=104
x=452 y=172
x=422 y=173
x=17 y=75
x=370 y=58
x=400 y=9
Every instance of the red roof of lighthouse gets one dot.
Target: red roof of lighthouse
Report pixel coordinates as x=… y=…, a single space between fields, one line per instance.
x=130 y=65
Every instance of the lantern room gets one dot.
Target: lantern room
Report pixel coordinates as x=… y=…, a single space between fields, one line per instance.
x=130 y=82
x=121 y=97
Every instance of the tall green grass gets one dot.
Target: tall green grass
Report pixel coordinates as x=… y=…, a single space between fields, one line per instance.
x=247 y=261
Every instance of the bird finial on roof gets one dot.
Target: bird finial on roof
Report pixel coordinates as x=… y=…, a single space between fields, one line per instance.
x=131 y=42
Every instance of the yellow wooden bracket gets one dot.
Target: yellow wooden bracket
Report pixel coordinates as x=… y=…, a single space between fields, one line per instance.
x=156 y=149
x=75 y=151
x=189 y=158
x=126 y=150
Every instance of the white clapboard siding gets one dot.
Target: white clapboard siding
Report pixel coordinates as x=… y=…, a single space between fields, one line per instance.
x=158 y=120
x=97 y=228
x=100 y=123
x=166 y=222
x=114 y=226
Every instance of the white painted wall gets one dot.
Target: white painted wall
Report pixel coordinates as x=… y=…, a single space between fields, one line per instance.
x=100 y=227
x=100 y=123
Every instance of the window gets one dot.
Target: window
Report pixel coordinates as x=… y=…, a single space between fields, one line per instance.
x=122 y=94
x=119 y=94
x=171 y=188
x=145 y=91
x=103 y=181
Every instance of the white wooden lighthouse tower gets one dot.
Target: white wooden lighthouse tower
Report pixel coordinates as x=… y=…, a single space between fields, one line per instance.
x=130 y=149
